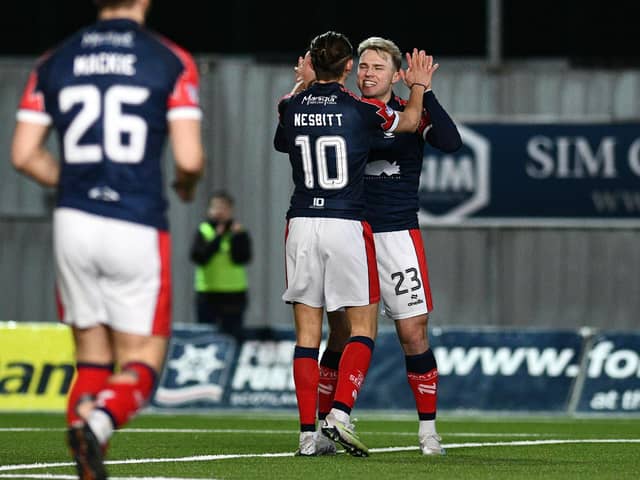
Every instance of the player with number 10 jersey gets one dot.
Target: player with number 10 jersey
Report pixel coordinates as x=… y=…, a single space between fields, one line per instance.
x=331 y=131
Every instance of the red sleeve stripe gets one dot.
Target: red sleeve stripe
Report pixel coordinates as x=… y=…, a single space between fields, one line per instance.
x=185 y=92
x=31 y=108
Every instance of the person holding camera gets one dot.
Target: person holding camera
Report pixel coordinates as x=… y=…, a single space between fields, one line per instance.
x=221 y=250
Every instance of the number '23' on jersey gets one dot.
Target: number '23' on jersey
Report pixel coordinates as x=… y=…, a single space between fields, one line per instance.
x=109 y=91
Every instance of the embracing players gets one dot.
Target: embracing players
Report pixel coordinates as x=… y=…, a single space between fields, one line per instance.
x=330 y=257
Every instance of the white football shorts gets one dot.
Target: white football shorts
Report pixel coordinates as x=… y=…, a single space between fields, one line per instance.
x=330 y=262
x=404 y=278
x=112 y=272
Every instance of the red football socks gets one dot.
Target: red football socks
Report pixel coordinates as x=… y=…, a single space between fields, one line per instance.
x=90 y=379
x=352 y=372
x=306 y=375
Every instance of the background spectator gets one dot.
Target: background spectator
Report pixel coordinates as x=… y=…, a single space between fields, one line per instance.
x=221 y=250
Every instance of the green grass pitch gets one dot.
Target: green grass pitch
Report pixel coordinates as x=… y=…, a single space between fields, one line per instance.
x=260 y=445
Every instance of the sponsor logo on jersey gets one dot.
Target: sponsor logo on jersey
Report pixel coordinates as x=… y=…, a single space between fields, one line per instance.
x=382 y=167
x=453 y=186
x=106 y=194
x=114 y=39
x=319 y=100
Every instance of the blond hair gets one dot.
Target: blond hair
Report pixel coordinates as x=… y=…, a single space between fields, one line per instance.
x=380 y=44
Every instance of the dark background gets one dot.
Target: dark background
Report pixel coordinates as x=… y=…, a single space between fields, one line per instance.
x=589 y=33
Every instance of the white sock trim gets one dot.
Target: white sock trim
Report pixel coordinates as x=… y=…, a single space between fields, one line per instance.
x=427 y=427
x=101 y=425
x=340 y=415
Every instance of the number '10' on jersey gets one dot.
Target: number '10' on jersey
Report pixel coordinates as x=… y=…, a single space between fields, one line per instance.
x=327 y=132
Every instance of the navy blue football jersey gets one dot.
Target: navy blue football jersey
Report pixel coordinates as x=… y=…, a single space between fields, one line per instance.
x=327 y=132
x=392 y=176
x=109 y=91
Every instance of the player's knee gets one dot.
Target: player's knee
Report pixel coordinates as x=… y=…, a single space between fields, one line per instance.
x=413 y=341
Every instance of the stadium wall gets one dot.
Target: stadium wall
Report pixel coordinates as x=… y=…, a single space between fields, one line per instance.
x=508 y=276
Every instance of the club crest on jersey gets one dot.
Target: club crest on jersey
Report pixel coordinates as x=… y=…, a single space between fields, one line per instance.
x=453 y=186
x=197 y=370
x=382 y=167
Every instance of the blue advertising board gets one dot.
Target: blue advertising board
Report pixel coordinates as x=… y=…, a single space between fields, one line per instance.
x=612 y=374
x=535 y=173
x=479 y=369
x=515 y=370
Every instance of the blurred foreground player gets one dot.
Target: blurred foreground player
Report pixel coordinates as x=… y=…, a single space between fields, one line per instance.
x=113 y=92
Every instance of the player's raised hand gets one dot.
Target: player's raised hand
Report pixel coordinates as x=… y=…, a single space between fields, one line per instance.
x=420 y=69
x=305 y=75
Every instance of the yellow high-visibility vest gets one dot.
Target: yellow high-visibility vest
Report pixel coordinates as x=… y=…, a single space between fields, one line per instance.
x=220 y=273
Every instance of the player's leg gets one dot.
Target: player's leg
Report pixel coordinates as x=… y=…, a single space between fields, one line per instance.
x=94 y=365
x=140 y=358
x=352 y=372
x=339 y=333
x=351 y=281
x=133 y=285
x=356 y=356
x=306 y=374
x=81 y=307
x=422 y=375
x=405 y=290
x=304 y=275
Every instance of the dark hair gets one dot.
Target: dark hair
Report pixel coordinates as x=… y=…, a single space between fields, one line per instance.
x=330 y=53
x=112 y=3
x=224 y=195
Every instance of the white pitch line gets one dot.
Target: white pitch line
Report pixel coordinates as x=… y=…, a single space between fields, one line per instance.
x=207 y=458
x=51 y=476
x=274 y=432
